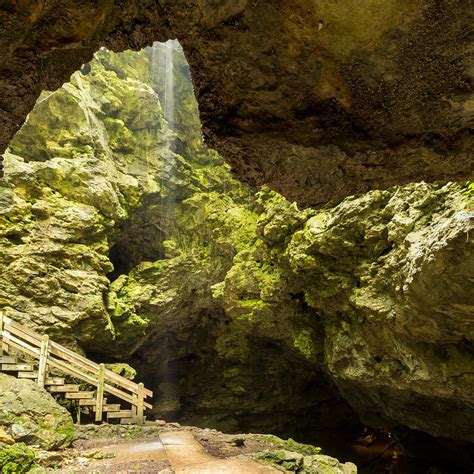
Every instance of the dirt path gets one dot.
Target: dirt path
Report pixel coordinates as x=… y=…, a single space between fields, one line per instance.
x=148 y=456
x=169 y=452
x=186 y=455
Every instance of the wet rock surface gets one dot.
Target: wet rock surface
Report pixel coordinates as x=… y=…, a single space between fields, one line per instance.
x=318 y=100
x=127 y=239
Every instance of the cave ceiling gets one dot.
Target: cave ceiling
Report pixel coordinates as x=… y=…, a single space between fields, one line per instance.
x=319 y=100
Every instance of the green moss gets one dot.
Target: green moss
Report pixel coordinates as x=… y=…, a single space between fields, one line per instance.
x=287 y=460
x=290 y=445
x=66 y=429
x=238 y=389
x=304 y=343
x=16 y=459
x=230 y=373
x=122 y=369
x=469 y=190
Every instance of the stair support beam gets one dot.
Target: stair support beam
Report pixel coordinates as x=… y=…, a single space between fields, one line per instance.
x=43 y=361
x=140 y=404
x=3 y=345
x=100 y=393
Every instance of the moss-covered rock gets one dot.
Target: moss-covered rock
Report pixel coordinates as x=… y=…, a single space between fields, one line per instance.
x=387 y=273
x=122 y=369
x=291 y=461
x=31 y=415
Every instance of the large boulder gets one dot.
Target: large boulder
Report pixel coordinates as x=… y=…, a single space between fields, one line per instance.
x=29 y=414
x=390 y=273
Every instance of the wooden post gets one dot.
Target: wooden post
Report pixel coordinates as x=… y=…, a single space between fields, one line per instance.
x=1 y=332
x=100 y=393
x=140 y=396
x=43 y=362
x=3 y=345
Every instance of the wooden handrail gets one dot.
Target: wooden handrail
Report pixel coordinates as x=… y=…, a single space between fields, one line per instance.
x=50 y=353
x=94 y=367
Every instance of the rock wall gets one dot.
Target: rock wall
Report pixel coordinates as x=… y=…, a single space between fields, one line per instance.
x=123 y=236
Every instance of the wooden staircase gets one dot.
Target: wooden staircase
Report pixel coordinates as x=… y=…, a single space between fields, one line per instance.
x=29 y=355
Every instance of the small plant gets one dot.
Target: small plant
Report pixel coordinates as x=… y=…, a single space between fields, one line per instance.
x=16 y=459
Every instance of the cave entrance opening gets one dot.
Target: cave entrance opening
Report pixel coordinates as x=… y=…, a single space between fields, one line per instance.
x=168 y=142
x=171 y=253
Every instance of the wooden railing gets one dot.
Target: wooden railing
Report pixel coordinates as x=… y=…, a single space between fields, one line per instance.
x=53 y=355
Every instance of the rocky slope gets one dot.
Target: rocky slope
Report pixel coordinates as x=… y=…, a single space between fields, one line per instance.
x=124 y=237
x=319 y=100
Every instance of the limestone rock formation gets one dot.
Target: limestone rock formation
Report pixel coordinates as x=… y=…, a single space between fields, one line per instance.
x=58 y=221
x=312 y=464
x=390 y=274
x=29 y=414
x=124 y=237
x=320 y=100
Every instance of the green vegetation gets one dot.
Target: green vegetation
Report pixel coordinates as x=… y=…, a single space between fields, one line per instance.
x=290 y=445
x=16 y=459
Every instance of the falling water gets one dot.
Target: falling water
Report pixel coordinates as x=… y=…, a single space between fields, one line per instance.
x=163 y=68
x=166 y=60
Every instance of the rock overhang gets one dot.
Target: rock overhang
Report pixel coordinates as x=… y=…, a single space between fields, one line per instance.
x=318 y=100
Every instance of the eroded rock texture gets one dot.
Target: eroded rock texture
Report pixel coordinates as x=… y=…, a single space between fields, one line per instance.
x=29 y=414
x=319 y=100
x=125 y=237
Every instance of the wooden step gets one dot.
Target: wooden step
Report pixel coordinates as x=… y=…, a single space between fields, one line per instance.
x=8 y=359
x=87 y=402
x=91 y=402
x=130 y=420
x=79 y=395
x=64 y=388
x=110 y=408
x=54 y=381
x=17 y=367
x=28 y=375
x=120 y=414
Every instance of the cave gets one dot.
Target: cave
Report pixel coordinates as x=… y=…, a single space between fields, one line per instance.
x=262 y=211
